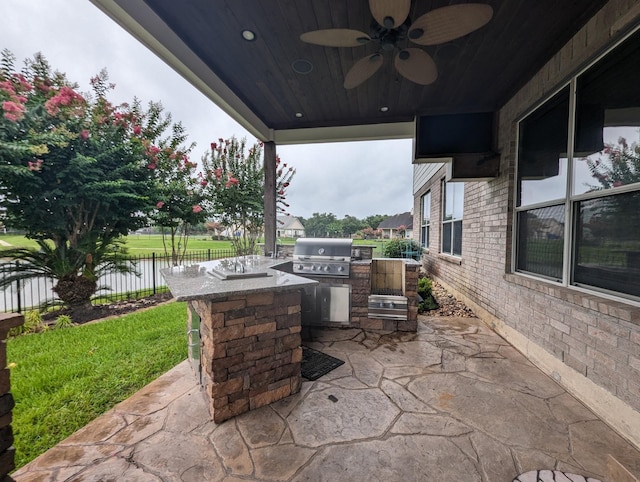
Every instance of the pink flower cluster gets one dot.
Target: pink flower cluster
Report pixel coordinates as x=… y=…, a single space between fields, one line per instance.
x=35 y=166
x=13 y=111
x=187 y=164
x=152 y=152
x=231 y=181
x=66 y=96
x=196 y=209
x=14 y=108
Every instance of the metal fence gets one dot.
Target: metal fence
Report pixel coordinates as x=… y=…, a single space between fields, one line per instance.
x=31 y=294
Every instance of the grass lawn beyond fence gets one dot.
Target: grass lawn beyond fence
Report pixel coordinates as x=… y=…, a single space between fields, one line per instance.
x=62 y=379
x=145 y=244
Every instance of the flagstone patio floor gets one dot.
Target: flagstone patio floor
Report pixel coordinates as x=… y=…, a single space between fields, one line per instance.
x=454 y=402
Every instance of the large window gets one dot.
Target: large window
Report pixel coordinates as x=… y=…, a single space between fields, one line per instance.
x=425 y=224
x=578 y=197
x=453 y=207
x=542 y=186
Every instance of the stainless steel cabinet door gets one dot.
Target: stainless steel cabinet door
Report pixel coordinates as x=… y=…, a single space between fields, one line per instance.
x=335 y=303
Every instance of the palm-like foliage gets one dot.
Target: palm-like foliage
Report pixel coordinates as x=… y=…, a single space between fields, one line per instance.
x=76 y=270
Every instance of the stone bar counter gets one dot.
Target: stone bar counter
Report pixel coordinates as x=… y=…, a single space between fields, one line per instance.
x=245 y=330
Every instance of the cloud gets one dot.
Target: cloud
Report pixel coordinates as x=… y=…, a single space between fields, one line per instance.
x=355 y=178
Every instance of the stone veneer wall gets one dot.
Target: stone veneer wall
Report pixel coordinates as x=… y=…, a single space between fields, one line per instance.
x=7 y=452
x=588 y=343
x=250 y=350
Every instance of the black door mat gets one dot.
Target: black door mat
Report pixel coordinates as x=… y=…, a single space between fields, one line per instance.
x=315 y=363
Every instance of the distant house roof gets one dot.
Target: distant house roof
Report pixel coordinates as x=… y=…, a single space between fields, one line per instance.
x=397 y=220
x=287 y=222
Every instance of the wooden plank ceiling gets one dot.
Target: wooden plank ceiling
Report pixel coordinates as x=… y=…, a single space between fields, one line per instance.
x=478 y=72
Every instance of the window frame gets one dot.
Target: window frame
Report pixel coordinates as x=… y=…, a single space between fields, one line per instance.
x=452 y=222
x=425 y=220
x=570 y=200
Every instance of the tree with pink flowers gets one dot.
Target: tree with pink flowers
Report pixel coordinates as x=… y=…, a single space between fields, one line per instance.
x=179 y=195
x=617 y=165
x=234 y=177
x=76 y=173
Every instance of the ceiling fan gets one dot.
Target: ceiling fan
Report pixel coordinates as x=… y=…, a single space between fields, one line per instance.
x=392 y=26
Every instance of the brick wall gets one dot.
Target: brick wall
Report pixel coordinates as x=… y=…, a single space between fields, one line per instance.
x=250 y=350
x=7 y=452
x=596 y=339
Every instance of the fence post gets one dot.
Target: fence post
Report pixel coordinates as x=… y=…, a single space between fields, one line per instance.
x=18 y=289
x=208 y=254
x=153 y=270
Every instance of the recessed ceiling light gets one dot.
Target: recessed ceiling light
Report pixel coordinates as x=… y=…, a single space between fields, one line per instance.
x=299 y=114
x=248 y=35
x=301 y=66
x=384 y=108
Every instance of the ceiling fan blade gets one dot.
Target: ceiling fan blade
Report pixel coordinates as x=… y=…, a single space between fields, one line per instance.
x=390 y=13
x=362 y=70
x=336 y=37
x=417 y=66
x=448 y=23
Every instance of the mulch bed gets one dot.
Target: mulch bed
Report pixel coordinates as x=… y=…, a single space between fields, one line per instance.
x=112 y=309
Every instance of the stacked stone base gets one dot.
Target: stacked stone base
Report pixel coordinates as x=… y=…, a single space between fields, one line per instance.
x=7 y=451
x=360 y=281
x=250 y=350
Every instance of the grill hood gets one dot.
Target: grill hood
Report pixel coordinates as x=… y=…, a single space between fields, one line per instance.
x=323 y=247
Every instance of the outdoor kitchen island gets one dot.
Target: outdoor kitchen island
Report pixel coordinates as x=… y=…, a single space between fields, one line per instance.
x=247 y=316
x=244 y=330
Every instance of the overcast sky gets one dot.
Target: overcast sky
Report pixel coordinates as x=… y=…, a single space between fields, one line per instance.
x=355 y=178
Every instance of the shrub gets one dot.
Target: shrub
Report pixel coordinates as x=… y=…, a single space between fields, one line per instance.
x=402 y=248
x=63 y=321
x=427 y=301
x=32 y=324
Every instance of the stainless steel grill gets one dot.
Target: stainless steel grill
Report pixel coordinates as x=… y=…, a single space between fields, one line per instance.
x=322 y=257
x=390 y=307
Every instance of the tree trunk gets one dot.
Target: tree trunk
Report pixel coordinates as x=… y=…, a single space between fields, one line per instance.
x=76 y=292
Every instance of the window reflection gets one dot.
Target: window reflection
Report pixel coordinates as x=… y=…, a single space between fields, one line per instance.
x=454 y=200
x=542 y=159
x=616 y=165
x=426 y=220
x=452 y=218
x=607 y=150
x=541 y=236
x=607 y=246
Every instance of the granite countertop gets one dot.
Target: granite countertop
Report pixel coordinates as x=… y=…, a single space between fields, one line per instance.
x=231 y=276
x=368 y=261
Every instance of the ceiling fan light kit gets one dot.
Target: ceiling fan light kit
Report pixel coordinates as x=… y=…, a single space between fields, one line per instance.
x=392 y=27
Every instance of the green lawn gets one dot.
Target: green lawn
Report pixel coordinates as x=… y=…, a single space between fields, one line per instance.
x=145 y=244
x=137 y=244
x=63 y=379
x=16 y=241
